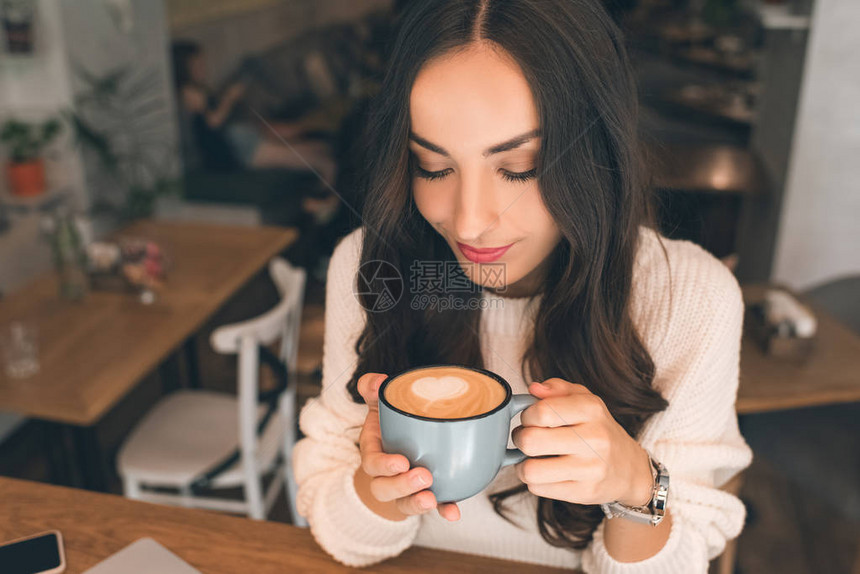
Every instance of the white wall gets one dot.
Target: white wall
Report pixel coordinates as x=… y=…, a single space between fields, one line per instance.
x=819 y=233
x=100 y=43
x=38 y=81
x=70 y=33
x=34 y=87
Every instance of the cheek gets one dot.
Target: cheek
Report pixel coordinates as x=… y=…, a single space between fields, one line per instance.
x=549 y=234
x=533 y=220
x=434 y=200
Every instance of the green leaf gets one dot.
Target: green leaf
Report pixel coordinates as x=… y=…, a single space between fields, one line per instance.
x=26 y=140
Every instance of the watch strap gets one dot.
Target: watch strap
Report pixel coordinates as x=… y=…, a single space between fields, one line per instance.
x=651 y=513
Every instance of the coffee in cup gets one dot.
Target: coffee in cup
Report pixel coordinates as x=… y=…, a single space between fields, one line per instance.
x=445 y=392
x=454 y=421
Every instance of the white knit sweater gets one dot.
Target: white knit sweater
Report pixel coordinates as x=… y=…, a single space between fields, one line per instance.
x=694 y=340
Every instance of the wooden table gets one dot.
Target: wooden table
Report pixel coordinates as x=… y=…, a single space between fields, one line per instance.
x=93 y=352
x=830 y=375
x=94 y=526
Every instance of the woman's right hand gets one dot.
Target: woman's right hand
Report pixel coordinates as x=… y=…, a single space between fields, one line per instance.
x=395 y=487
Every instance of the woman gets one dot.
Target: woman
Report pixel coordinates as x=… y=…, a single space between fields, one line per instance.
x=505 y=132
x=226 y=143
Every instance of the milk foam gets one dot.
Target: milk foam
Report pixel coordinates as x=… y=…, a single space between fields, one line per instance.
x=445 y=392
x=438 y=388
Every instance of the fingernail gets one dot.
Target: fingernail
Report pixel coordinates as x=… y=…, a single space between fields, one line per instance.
x=426 y=503
x=396 y=467
x=419 y=480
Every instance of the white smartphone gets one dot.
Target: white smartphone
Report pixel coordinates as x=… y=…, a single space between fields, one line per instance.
x=38 y=554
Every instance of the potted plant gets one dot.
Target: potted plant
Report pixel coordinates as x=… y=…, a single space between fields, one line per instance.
x=25 y=169
x=122 y=119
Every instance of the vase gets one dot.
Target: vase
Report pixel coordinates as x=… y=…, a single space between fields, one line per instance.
x=70 y=257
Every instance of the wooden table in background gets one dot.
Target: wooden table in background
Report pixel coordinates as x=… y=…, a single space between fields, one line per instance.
x=830 y=375
x=94 y=526
x=93 y=352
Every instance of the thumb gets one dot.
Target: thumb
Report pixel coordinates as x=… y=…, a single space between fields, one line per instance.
x=368 y=387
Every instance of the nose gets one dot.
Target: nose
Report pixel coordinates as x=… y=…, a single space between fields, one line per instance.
x=474 y=212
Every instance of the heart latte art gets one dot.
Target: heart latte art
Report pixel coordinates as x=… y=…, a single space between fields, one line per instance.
x=444 y=392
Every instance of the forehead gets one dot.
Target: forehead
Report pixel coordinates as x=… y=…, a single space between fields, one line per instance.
x=472 y=99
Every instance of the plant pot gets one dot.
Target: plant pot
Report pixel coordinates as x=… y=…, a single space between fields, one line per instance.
x=26 y=179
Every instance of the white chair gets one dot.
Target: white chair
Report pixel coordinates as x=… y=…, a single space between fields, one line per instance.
x=196 y=439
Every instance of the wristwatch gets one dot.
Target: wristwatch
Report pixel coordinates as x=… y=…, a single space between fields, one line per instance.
x=651 y=513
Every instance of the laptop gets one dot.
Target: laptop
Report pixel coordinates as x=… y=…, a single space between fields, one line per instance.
x=144 y=556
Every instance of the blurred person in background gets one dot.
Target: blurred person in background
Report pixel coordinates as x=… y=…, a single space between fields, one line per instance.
x=226 y=142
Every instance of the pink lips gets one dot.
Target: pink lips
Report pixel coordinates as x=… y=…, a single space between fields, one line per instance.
x=483 y=255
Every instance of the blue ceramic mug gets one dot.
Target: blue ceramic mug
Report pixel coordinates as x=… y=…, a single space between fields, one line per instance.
x=463 y=454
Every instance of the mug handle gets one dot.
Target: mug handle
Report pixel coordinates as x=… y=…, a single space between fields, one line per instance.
x=518 y=403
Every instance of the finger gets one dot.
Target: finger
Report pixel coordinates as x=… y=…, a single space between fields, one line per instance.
x=568 y=491
x=543 y=441
x=554 y=388
x=374 y=461
x=418 y=503
x=368 y=387
x=382 y=464
x=559 y=469
x=370 y=437
x=388 y=488
x=564 y=411
x=560 y=387
x=449 y=511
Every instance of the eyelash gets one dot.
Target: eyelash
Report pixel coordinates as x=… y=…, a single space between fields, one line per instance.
x=515 y=177
x=431 y=175
x=521 y=176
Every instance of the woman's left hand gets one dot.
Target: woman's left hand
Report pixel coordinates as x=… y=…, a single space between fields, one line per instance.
x=577 y=451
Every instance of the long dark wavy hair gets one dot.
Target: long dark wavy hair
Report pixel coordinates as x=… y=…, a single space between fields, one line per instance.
x=591 y=179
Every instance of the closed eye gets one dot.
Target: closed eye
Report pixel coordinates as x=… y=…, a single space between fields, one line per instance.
x=432 y=175
x=519 y=176
x=512 y=176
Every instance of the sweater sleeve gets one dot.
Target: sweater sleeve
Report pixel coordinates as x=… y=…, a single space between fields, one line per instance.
x=697 y=436
x=325 y=460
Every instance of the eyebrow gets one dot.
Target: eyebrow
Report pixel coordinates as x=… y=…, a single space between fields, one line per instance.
x=510 y=144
